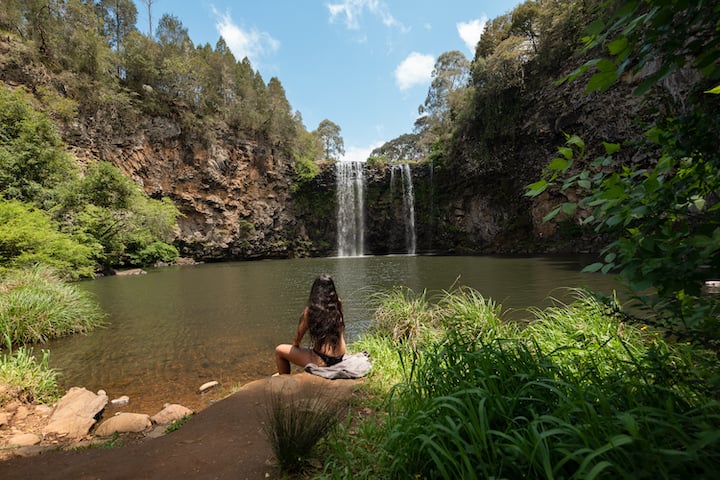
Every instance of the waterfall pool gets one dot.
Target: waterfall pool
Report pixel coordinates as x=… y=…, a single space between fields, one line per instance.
x=176 y=328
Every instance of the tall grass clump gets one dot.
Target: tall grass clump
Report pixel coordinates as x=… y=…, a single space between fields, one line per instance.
x=403 y=315
x=576 y=394
x=36 y=306
x=24 y=377
x=295 y=425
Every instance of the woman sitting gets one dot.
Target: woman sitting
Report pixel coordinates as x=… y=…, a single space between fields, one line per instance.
x=323 y=319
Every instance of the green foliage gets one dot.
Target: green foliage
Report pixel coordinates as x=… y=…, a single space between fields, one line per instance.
x=32 y=161
x=406 y=147
x=154 y=253
x=29 y=236
x=638 y=33
x=26 y=378
x=662 y=220
x=660 y=216
x=578 y=394
x=36 y=306
x=329 y=134
x=305 y=170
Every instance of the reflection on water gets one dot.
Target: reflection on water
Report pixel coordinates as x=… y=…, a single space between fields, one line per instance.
x=172 y=330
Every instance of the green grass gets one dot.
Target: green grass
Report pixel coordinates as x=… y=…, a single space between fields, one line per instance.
x=575 y=394
x=26 y=378
x=36 y=306
x=177 y=424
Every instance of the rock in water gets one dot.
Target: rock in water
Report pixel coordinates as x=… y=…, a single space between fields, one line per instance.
x=208 y=385
x=120 y=401
x=124 y=423
x=75 y=413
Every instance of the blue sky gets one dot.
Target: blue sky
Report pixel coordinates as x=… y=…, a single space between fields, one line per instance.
x=363 y=64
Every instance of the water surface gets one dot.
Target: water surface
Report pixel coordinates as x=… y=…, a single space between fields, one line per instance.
x=175 y=328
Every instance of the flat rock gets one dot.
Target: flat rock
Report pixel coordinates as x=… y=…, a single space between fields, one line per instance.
x=124 y=423
x=75 y=413
x=4 y=419
x=170 y=414
x=24 y=440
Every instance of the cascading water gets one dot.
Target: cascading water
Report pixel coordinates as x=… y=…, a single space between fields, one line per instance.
x=408 y=204
x=409 y=209
x=350 y=208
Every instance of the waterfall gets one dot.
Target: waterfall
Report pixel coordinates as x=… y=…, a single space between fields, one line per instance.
x=350 y=208
x=408 y=209
x=408 y=204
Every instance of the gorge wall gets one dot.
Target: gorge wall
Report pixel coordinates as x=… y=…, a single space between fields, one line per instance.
x=233 y=192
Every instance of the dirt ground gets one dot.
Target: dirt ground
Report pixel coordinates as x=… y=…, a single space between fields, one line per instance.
x=223 y=441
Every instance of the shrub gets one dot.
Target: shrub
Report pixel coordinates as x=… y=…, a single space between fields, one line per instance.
x=154 y=253
x=29 y=236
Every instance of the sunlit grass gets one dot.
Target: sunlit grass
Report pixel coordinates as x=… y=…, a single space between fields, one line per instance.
x=36 y=306
x=24 y=377
x=456 y=392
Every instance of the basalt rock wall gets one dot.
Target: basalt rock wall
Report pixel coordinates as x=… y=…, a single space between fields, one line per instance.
x=232 y=190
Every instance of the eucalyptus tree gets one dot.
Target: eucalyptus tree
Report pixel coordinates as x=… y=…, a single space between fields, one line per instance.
x=119 y=18
x=333 y=144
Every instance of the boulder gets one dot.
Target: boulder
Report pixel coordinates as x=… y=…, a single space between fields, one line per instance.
x=4 y=419
x=124 y=423
x=170 y=414
x=75 y=413
x=24 y=440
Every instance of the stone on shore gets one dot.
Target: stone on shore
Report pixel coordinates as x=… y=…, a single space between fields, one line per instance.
x=170 y=414
x=75 y=413
x=124 y=423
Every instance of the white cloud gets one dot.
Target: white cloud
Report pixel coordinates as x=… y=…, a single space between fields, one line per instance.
x=245 y=43
x=471 y=31
x=416 y=69
x=351 y=10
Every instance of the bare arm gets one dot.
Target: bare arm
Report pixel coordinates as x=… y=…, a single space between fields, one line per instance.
x=302 y=328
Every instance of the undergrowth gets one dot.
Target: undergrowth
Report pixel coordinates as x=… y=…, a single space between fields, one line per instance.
x=457 y=392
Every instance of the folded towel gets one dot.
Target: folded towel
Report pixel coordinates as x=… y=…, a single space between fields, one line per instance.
x=354 y=365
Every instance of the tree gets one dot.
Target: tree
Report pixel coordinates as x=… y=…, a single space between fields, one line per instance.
x=29 y=236
x=119 y=18
x=446 y=97
x=149 y=4
x=32 y=161
x=329 y=135
x=281 y=127
x=403 y=148
x=524 y=19
x=496 y=30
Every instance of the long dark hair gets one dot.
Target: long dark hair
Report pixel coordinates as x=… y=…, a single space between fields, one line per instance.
x=326 y=322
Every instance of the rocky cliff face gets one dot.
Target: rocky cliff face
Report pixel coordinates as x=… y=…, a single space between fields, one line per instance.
x=233 y=191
